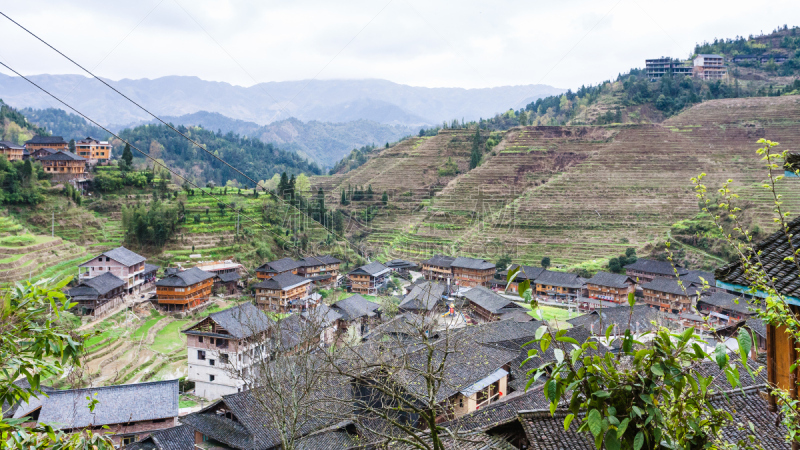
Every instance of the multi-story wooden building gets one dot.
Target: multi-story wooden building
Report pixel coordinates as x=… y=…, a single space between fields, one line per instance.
x=184 y=291
x=438 y=268
x=41 y=152
x=277 y=267
x=223 y=347
x=645 y=270
x=368 y=279
x=610 y=287
x=12 y=151
x=95 y=296
x=125 y=264
x=563 y=286
x=489 y=306
x=284 y=293
x=724 y=308
x=64 y=166
x=525 y=273
x=469 y=272
x=54 y=142
x=667 y=296
x=322 y=270
x=93 y=150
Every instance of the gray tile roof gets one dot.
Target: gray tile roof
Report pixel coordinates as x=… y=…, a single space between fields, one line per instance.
x=400 y=264
x=774 y=251
x=124 y=256
x=228 y=277
x=62 y=155
x=96 y=286
x=598 y=320
x=670 y=286
x=655 y=267
x=354 y=307
x=337 y=437
x=148 y=268
x=175 y=438
x=373 y=269
x=423 y=296
x=461 y=441
x=10 y=145
x=440 y=261
x=727 y=301
x=322 y=315
x=610 y=280
x=503 y=330
x=562 y=279
x=525 y=272
x=747 y=407
x=324 y=260
x=46 y=140
x=694 y=276
x=185 y=278
x=758 y=326
x=501 y=412
x=489 y=300
x=283 y=281
x=472 y=263
x=241 y=321
x=117 y=404
x=279 y=266
x=545 y=431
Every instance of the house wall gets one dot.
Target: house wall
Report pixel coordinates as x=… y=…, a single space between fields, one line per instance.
x=617 y=295
x=12 y=154
x=269 y=275
x=94 y=151
x=472 y=278
x=64 y=167
x=546 y=290
x=278 y=300
x=133 y=275
x=314 y=271
x=431 y=272
x=180 y=298
x=32 y=147
x=667 y=302
x=139 y=430
x=366 y=284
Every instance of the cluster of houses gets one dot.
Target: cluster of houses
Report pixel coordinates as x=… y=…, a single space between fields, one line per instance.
x=56 y=158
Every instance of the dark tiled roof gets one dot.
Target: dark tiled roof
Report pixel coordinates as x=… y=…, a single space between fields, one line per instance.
x=279 y=266
x=727 y=301
x=598 y=320
x=670 y=286
x=758 y=326
x=340 y=436
x=525 y=272
x=774 y=251
x=655 y=267
x=501 y=412
x=489 y=300
x=472 y=263
x=323 y=315
x=124 y=256
x=117 y=404
x=175 y=438
x=373 y=268
x=440 y=261
x=324 y=260
x=354 y=307
x=503 y=330
x=461 y=441
x=721 y=384
x=148 y=268
x=517 y=316
x=545 y=431
x=694 y=276
x=10 y=145
x=610 y=280
x=62 y=155
x=400 y=264
x=185 y=278
x=747 y=407
x=563 y=279
x=46 y=140
x=99 y=285
x=241 y=321
x=229 y=276
x=282 y=281
x=221 y=429
x=423 y=297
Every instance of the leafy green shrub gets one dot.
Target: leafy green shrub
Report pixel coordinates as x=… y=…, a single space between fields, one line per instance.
x=19 y=241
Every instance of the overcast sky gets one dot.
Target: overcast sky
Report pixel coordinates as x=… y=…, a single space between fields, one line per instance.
x=428 y=43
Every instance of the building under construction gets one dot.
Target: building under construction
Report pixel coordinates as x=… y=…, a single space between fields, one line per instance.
x=706 y=67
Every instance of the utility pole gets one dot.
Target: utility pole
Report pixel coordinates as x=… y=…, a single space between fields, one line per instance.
x=53 y=225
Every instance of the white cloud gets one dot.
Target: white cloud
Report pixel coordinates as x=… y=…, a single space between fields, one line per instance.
x=424 y=43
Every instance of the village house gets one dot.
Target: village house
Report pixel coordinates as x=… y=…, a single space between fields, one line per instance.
x=438 y=268
x=41 y=152
x=724 y=308
x=368 y=279
x=759 y=329
x=489 y=306
x=53 y=142
x=423 y=298
x=525 y=273
x=126 y=413
x=640 y=317
x=667 y=296
x=563 y=286
x=125 y=264
x=64 y=166
x=610 y=287
x=150 y=276
x=175 y=438
x=183 y=291
x=349 y=318
x=227 y=283
x=284 y=293
x=322 y=270
x=645 y=270
x=401 y=267
x=277 y=267
x=95 y=296
x=220 y=267
x=469 y=272
x=93 y=150
x=12 y=151
x=224 y=344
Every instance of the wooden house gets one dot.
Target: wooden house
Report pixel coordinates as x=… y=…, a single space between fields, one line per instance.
x=227 y=283
x=93 y=150
x=53 y=142
x=95 y=296
x=322 y=270
x=350 y=318
x=401 y=267
x=525 y=273
x=39 y=153
x=563 y=286
x=724 y=308
x=277 y=267
x=284 y=293
x=610 y=287
x=64 y=166
x=438 y=268
x=667 y=296
x=184 y=291
x=125 y=264
x=645 y=270
x=423 y=298
x=12 y=151
x=469 y=272
x=489 y=306
x=369 y=278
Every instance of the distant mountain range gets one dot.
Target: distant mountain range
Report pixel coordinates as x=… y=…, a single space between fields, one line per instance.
x=321 y=100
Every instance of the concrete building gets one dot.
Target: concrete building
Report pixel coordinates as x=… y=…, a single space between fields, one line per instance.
x=123 y=263
x=658 y=67
x=709 y=67
x=223 y=347
x=93 y=150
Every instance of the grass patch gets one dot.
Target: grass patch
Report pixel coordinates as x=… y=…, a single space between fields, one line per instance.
x=142 y=331
x=187 y=404
x=170 y=338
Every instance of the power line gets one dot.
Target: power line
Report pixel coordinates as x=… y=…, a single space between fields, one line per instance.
x=198 y=145
x=155 y=161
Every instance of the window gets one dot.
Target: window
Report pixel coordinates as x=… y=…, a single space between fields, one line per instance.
x=159 y=420
x=200 y=339
x=201 y=355
x=128 y=440
x=461 y=402
x=211 y=362
x=211 y=378
x=223 y=358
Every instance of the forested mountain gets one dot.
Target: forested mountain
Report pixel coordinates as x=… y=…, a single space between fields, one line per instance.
x=14 y=127
x=61 y=123
x=253 y=157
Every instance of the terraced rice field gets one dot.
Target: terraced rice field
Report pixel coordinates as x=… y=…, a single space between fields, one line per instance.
x=576 y=193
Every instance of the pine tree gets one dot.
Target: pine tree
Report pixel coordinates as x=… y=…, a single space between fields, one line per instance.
x=72 y=145
x=283 y=185
x=127 y=156
x=343 y=201
x=385 y=198
x=370 y=194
